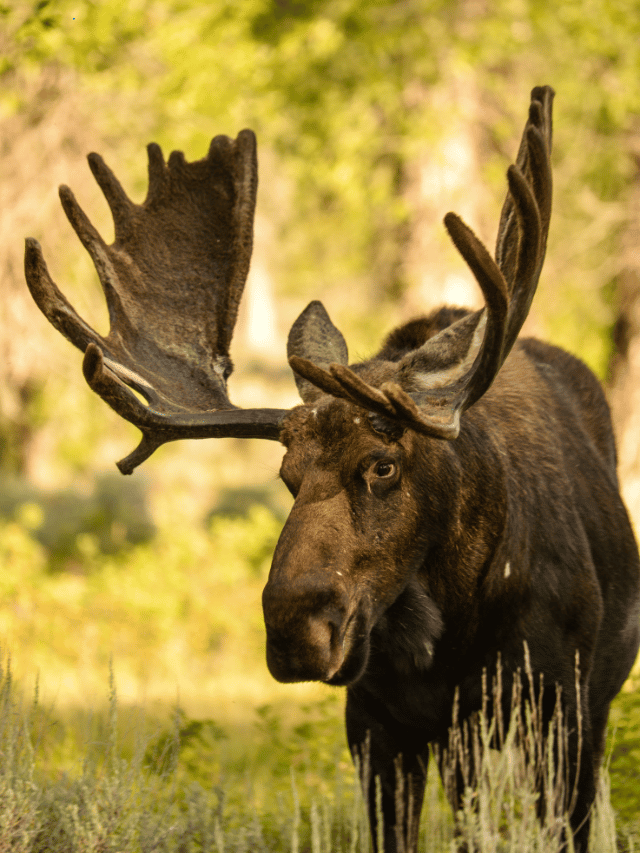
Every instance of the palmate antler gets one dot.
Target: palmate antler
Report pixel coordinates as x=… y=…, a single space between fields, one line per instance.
x=173 y=280
x=174 y=276
x=436 y=383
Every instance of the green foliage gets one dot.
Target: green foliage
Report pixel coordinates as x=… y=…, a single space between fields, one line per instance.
x=345 y=86
x=238 y=501
x=348 y=98
x=359 y=137
x=625 y=756
x=245 y=542
x=312 y=749
x=18 y=790
x=71 y=525
x=175 y=609
x=22 y=559
x=172 y=791
x=160 y=797
x=191 y=743
x=90 y=36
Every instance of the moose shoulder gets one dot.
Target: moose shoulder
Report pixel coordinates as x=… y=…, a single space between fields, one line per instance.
x=456 y=498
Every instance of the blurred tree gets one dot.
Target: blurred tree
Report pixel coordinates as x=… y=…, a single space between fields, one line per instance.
x=625 y=367
x=376 y=117
x=355 y=96
x=52 y=111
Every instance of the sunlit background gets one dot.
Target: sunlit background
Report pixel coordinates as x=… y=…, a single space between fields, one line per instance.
x=373 y=120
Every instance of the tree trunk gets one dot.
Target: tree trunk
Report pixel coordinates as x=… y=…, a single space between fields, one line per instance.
x=624 y=391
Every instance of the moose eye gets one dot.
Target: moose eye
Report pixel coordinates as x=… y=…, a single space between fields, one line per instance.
x=384 y=470
x=382 y=475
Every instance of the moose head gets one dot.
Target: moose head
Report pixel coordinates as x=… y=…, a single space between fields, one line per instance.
x=443 y=515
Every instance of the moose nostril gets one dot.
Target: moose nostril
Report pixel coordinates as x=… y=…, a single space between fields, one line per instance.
x=322 y=630
x=305 y=627
x=323 y=648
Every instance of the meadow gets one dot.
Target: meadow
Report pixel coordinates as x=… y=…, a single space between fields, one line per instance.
x=136 y=710
x=137 y=713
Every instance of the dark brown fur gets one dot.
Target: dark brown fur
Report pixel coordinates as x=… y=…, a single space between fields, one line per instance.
x=398 y=587
x=453 y=502
x=413 y=334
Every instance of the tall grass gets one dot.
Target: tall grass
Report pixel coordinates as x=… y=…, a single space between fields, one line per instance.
x=239 y=763
x=135 y=788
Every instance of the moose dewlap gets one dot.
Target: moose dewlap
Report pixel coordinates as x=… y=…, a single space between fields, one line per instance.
x=456 y=497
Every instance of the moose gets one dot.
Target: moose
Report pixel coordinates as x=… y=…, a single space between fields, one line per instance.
x=456 y=496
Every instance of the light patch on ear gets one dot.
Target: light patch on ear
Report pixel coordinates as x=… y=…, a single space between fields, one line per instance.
x=443 y=378
x=356 y=420
x=507 y=569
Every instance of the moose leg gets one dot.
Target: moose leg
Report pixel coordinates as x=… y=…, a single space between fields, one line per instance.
x=581 y=792
x=573 y=757
x=393 y=770
x=599 y=737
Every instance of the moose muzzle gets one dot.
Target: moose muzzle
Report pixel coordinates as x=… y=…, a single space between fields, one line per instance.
x=306 y=602
x=306 y=625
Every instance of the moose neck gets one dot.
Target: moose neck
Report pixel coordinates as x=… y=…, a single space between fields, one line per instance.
x=466 y=516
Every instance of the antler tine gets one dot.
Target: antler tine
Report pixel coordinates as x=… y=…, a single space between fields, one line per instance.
x=317 y=376
x=495 y=290
x=97 y=249
x=341 y=382
x=360 y=391
x=390 y=400
x=509 y=283
x=522 y=238
x=442 y=378
x=119 y=202
x=51 y=301
x=242 y=155
x=173 y=280
x=537 y=170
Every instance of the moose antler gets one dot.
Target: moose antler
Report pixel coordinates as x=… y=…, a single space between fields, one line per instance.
x=451 y=371
x=172 y=279
x=175 y=273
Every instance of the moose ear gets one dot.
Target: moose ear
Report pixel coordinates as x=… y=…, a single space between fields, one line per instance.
x=445 y=358
x=314 y=337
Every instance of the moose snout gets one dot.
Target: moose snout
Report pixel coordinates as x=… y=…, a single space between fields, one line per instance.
x=305 y=625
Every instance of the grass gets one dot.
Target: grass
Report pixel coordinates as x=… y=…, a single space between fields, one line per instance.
x=138 y=789
x=128 y=787
x=199 y=750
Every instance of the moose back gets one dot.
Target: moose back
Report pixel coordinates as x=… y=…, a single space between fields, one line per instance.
x=456 y=497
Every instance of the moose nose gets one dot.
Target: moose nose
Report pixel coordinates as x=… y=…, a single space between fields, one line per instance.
x=305 y=631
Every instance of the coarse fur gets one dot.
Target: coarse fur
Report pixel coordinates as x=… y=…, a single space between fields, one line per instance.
x=397 y=586
x=456 y=497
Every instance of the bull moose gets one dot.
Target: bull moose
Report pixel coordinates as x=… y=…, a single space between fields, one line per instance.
x=456 y=496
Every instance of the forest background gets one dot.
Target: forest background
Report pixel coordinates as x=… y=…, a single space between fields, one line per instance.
x=373 y=120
